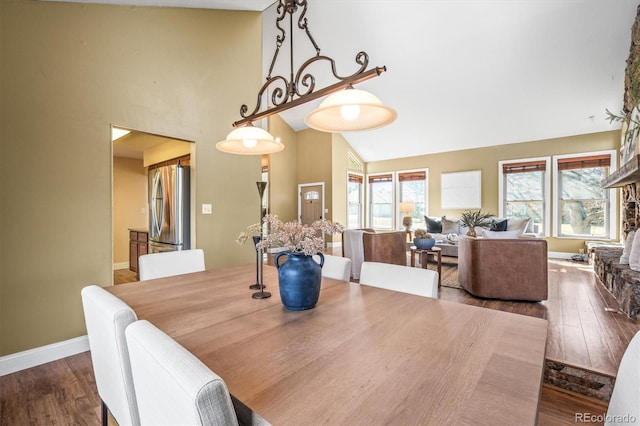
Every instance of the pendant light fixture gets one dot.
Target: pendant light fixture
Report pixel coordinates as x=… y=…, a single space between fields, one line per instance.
x=350 y=110
x=346 y=110
x=250 y=140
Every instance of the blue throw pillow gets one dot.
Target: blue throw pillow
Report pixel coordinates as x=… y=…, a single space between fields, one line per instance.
x=498 y=225
x=434 y=226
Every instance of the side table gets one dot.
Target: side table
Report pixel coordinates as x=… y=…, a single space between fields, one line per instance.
x=424 y=255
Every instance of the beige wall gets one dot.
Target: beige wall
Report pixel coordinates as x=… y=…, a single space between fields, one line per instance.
x=283 y=176
x=166 y=151
x=486 y=160
x=129 y=203
x=339 y=160
x=314 y=162
x=71 y=70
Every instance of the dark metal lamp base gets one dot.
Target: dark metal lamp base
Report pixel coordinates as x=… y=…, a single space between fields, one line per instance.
x=261 y=295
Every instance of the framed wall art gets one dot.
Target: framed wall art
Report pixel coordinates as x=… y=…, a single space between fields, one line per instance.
x=461 y=190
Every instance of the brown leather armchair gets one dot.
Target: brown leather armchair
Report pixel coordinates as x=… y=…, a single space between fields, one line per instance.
x=507 y=269
x=383 y=247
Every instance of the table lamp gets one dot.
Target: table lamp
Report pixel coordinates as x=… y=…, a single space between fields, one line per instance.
x=407 y=209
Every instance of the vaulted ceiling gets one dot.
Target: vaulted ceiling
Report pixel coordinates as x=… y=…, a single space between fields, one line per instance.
x=463 y=73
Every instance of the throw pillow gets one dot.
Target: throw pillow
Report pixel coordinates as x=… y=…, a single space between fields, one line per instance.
x=450 y=226
x=634 y=255
x=501 y=234
x=434 y=226
x=518 y=224
x=626 y=252
x=498 y=225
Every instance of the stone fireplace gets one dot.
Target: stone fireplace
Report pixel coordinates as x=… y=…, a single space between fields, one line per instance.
x=621 y=281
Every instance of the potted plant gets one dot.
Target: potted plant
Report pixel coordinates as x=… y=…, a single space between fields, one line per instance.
x=473 y=218
x=423 y=240
x=299 y=275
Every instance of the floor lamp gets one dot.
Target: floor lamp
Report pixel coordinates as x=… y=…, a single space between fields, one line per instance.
x=256 y=240
x=260 y=261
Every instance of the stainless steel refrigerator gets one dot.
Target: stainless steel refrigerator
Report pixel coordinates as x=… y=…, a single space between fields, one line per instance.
x=169 y=208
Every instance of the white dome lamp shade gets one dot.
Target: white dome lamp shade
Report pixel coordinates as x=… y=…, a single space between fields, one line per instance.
x=350 y=110
x=249 y=140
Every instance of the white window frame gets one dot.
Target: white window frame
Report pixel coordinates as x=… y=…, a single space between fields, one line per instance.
x=393 y=197
x=398 y=193
x=363 y=190
x=546 y=189
x=613 y=203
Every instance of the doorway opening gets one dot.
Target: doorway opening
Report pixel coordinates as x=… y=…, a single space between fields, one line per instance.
x=134 y=152
x=310 y=202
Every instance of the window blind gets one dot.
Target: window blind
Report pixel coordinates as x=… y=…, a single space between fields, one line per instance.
x=381 y=178
x=355 y=178
x=584 y=162
x=412 y=176
x=524 y=167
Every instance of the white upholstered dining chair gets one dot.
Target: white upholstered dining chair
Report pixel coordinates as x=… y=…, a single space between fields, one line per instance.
x=336 y=267
x=167 y=264
x=405 y=279
x=174 y=387
x=106 y=318
x=625 y=399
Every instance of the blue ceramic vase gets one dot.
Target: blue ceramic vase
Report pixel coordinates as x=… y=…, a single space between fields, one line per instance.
x=424 y=243
x=299 y=279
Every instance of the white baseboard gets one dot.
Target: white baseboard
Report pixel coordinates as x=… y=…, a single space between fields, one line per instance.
x=559 y=255
x=43 y=354
x=120 y=265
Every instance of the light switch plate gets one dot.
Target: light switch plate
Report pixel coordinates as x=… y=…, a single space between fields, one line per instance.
x=206 y=209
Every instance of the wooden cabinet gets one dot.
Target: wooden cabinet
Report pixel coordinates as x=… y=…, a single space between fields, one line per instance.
x=138 y=245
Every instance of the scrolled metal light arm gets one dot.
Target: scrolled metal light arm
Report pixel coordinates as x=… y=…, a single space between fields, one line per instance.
x=287 y=93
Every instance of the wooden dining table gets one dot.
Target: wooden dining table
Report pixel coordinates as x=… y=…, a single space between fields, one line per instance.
x=363 y=355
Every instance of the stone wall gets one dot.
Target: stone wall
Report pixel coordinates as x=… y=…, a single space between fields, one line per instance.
x=631 y=193
x=621 y=281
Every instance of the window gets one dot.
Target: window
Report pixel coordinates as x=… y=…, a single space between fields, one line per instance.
x=524 y=191
x=412 y=197
x=354 y=200
x=381 y=201
x=353 y=163
x=583 y=208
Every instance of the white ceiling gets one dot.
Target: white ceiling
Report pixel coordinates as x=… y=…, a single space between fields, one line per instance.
x=463 y=73
x=475 y=73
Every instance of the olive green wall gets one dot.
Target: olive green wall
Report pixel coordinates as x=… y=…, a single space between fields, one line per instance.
x=71 y=70
x=314 y=163
x=339 y=160
x=130 y=180
x=318 y=157
x=283 y=173
x=486 y=160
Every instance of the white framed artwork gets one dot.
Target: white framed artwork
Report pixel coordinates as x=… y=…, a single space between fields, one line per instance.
x=461 y=190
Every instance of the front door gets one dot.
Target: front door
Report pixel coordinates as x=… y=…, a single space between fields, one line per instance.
x=310 y=204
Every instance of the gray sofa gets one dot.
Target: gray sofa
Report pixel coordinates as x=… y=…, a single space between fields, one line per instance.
x=447 y=231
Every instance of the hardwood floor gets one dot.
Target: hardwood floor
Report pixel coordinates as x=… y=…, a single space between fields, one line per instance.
x=582 y=332
x=63 y=392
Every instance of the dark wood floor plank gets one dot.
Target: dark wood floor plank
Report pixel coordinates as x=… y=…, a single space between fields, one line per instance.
x=600 y=356
x=553 y=306
x=575 y=347
x=558 y=408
